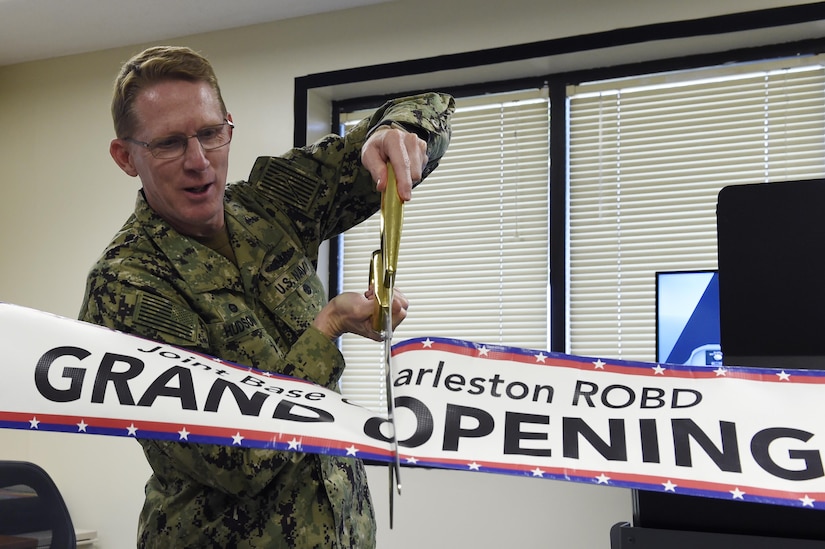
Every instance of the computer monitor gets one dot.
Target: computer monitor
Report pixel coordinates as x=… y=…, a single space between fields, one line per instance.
x=771 y=238
x=687 y=318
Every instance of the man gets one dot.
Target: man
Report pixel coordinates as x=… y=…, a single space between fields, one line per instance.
x=229 y=271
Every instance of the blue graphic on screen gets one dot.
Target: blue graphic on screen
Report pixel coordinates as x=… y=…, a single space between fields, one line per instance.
x=687 y=316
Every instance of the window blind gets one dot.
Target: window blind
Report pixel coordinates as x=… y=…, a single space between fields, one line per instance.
x=474 y=247
x=647 y=158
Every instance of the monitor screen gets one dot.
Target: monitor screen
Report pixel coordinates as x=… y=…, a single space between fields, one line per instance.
x=687 y=318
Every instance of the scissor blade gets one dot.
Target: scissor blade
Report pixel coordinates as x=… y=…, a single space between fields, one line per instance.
x=387 y=343
x=391 y=467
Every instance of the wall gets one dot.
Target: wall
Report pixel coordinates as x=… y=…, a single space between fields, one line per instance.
x=63 y=198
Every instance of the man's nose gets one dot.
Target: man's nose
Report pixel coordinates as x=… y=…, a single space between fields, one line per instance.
x=195 y=155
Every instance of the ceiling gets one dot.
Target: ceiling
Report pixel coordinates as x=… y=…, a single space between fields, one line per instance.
x=40 y=29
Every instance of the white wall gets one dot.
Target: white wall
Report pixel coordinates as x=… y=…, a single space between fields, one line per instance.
x=63 y=198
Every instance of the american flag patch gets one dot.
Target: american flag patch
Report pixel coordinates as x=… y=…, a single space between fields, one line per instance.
x=164 y=316
x=280 y=181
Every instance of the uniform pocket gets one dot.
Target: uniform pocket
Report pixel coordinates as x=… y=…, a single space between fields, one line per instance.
x=293 y=293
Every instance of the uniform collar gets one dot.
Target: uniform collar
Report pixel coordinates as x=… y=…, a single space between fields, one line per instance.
x=202 y=268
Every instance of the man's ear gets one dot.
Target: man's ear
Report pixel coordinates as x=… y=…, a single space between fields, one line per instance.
x=122 y=157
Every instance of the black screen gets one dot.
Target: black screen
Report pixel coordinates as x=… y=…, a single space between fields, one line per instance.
x=771 y=251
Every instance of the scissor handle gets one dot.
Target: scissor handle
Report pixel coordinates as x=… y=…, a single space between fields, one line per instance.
x=392 y=217
x=382 y=294
x=384 y=263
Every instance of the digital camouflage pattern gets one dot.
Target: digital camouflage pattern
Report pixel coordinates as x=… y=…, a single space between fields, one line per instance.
x=154 y=282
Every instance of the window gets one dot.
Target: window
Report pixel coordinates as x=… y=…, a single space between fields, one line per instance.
x=647 y=158
x=474 y=245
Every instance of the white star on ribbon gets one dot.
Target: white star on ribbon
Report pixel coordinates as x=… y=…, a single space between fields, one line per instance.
x=352 y=450
x=720 y=372
x=603 y=479
x=540 y=357
x=537 y=472
x=237 y=438
x=131 y=430
x=737 y=493
x=599 y=364
x=784 y=376
x=427 y=343
x=483 y=351
x=412 y=460
x=474 y=466
x=184 y=434
x=669 y=486
x=81 y=427
x=807 y=501
x=294 y=444
x=33 y=423
x=658 y=370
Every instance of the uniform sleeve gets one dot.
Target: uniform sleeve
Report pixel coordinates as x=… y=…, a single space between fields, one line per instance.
x=114 y=302
x=315 y=357
x=323 y=187
x=426 y=115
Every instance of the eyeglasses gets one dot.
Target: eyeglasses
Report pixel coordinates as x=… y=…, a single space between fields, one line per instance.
x=174 y=146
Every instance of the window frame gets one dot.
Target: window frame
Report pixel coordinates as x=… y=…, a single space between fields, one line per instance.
x=762 y=45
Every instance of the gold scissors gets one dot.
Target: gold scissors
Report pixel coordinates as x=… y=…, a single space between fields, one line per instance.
x=383 y=268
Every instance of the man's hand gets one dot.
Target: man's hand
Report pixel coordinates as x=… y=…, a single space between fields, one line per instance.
x=404 y=150
x=351 y=312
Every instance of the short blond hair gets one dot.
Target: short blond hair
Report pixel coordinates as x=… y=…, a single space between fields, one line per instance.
x=153 y=65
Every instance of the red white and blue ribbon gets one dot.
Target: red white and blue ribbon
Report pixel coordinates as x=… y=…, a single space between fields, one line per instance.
x=738 y=433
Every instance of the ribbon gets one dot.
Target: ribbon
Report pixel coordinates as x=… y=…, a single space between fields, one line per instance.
x=738 y=433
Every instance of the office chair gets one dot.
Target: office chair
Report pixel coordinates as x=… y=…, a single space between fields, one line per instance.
x=45 y=512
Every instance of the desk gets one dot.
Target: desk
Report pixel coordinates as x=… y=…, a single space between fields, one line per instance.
x=16 y=542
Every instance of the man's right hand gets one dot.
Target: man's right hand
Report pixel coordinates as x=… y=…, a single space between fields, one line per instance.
x=351 y=312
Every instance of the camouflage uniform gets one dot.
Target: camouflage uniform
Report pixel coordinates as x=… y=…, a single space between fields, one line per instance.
x=154 y=282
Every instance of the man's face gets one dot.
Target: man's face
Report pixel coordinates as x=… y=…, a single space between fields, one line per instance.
x=187 y=192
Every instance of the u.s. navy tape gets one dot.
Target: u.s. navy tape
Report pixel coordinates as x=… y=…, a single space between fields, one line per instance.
x=739 y=433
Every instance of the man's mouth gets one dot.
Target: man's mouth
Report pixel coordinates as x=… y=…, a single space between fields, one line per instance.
x=198 y=190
